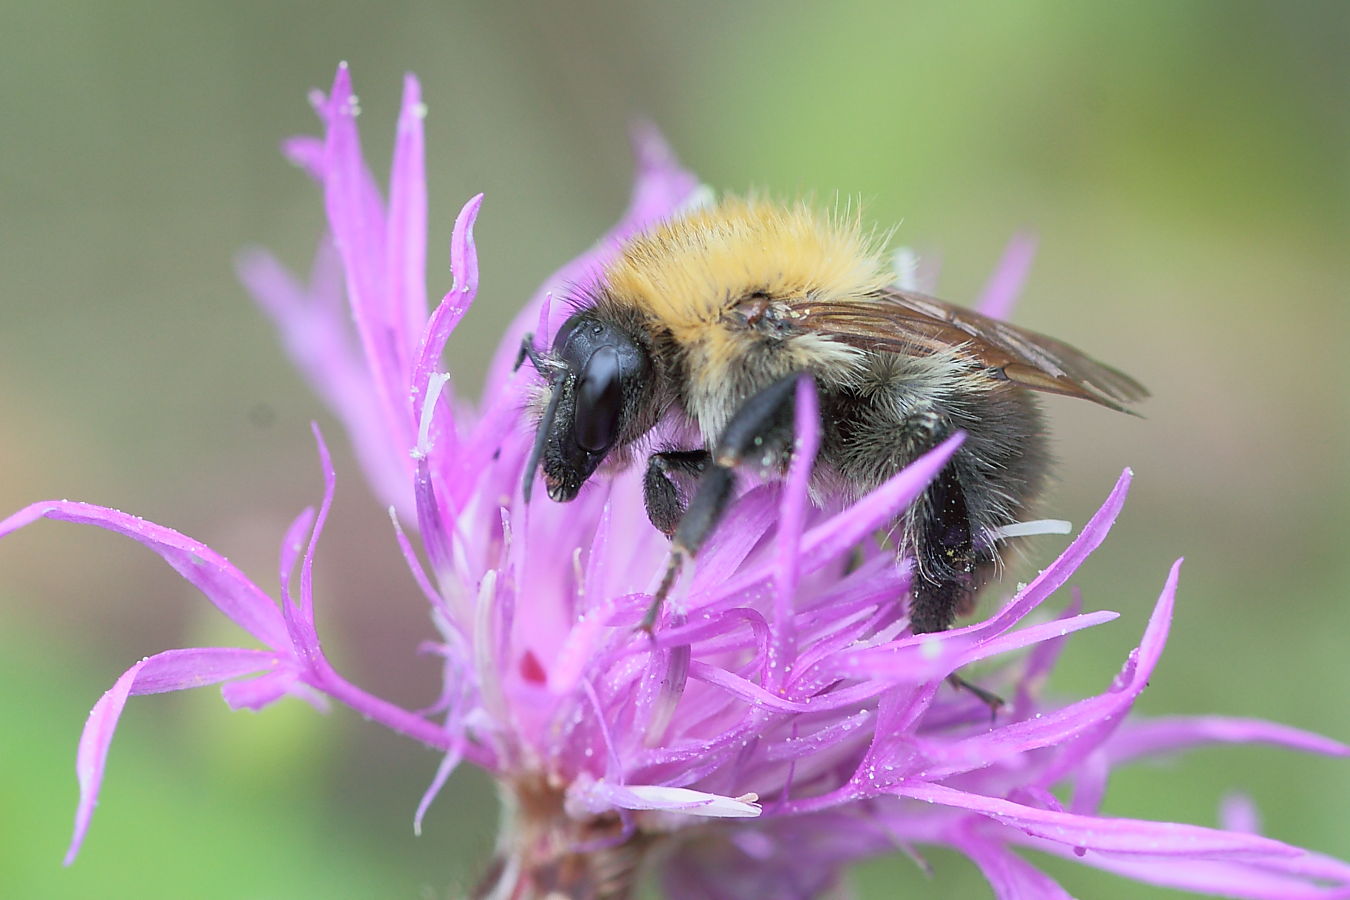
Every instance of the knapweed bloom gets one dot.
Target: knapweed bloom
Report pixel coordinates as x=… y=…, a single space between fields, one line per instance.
x=780 y=722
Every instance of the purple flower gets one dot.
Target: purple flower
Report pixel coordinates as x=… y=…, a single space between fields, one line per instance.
x=781 y=723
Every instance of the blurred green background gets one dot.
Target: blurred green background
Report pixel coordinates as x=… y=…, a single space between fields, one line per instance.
x=1183 y=164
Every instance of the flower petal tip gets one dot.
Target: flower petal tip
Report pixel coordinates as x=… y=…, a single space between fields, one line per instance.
x=650 y=147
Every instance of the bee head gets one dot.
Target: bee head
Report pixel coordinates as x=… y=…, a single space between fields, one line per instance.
x=599 y=374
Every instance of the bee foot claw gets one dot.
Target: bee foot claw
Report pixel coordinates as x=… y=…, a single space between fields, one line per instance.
x=990 y=699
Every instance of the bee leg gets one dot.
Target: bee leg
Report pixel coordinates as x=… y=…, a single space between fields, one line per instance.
x=989 y=698
x=698 y=521
x=529 y=351
x=759 y=434
x=665 y=506
x=763 y=425
x=945 y=580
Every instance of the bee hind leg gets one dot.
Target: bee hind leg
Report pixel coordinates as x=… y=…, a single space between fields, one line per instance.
x=944 y=557
x=947 y=569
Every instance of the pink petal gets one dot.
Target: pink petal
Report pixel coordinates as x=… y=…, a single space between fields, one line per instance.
x=783 y=645
x=748 y=519
x=300 y=616
x=1169 y=734
x=315 y=327
x=223 y=584
x=840 y=533
x=1133 y=836
x=1238 y=812
x=1001 y=291
x=269 y=687
x=1041 y=661
x=449 y=762
x=1011 y=877
x=835 y=537
x=173 y=670
x=1112 y=705
x=307 y=153
x=292 y=545
x=919 y=658
x=406 y=243
x=1053 y=577
x=357 y=218
x=464 y=265
x=1293 y=878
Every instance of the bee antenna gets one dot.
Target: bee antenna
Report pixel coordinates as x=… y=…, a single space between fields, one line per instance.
x=541 y=436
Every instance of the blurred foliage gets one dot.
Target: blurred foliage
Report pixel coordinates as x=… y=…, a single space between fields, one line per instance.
x=1183 y=165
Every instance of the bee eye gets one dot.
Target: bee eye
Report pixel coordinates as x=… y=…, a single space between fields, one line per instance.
x=599 y=401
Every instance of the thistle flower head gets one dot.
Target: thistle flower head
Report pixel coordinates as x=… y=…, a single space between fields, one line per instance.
x=780 y=722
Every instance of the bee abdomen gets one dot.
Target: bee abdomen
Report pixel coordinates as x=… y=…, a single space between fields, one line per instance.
x=991 y=480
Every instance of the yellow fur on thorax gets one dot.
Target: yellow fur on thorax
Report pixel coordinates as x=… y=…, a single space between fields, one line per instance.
x=690 y=271
x=696 y=277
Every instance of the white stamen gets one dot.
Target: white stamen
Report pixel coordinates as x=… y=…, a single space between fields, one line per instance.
x=599 y=796
x=1038 y=526
x=484 y=657
x=435 y=384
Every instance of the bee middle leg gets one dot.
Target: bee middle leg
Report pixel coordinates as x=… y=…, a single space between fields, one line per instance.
x=760 y=432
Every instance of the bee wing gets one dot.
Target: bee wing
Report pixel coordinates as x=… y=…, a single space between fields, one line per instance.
x=914 y=324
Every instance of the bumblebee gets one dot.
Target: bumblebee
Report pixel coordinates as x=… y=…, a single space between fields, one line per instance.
x=711 y=318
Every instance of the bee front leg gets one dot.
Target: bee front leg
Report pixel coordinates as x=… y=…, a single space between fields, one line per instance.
x=665 y=505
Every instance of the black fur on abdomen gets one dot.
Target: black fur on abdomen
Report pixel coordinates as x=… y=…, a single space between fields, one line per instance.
x=904 y=406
